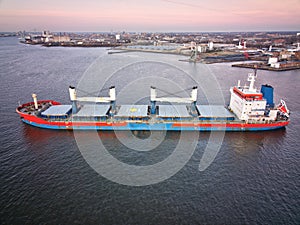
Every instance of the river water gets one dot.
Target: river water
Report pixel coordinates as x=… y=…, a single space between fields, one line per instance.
x=252 y=177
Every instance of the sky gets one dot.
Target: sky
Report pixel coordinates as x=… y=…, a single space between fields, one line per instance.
x=150 y=15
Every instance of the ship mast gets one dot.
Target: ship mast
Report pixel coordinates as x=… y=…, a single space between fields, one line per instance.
x=251 y=78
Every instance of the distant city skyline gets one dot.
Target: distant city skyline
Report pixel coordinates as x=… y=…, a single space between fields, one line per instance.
x=150 y=16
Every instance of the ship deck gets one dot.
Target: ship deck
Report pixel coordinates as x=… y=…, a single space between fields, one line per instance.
x=53 y=111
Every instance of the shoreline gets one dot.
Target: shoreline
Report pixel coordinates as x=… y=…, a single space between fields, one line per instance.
x=265 y=66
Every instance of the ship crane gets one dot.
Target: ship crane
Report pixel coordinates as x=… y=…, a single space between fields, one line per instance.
x=192 y=99
x=74 y=99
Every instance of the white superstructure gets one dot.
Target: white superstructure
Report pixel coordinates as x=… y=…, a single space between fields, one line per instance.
x=249 y=104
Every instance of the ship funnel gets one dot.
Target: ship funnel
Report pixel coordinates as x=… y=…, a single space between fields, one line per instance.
x=34 y=96
x=267 y=91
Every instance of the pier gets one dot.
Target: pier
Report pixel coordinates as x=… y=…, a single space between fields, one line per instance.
x=264 y=66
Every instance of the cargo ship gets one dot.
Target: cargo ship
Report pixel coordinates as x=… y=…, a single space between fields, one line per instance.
x=249 y=109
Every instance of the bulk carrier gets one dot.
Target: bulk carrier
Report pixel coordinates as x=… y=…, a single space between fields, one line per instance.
x=250 y=109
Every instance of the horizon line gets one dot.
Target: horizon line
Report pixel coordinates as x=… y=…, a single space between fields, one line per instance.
x=132 y=31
